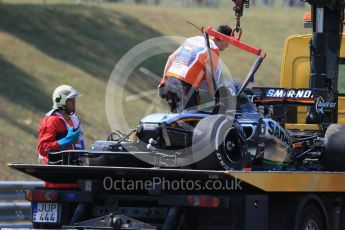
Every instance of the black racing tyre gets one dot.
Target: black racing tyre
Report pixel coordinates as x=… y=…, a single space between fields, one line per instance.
x=333 y=157
x=220 y=140
x=311 y=219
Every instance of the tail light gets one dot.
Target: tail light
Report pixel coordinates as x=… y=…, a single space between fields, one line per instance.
x=307 y=17
x=203 y=201
x=41 y=196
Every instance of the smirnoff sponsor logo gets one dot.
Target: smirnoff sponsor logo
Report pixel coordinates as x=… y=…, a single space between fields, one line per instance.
x=290 y=93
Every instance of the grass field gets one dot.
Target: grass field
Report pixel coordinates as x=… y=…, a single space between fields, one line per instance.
x=43 y=46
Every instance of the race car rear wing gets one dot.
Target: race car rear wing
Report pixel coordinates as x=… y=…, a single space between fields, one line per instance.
x=303 y=96
x=282 y=95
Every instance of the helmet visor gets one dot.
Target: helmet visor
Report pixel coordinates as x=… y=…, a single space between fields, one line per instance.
x=73 y=94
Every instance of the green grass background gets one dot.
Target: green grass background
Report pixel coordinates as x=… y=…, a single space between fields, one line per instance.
x=43 y=46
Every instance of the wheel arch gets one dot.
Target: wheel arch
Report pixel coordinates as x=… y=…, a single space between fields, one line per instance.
x=306 y=200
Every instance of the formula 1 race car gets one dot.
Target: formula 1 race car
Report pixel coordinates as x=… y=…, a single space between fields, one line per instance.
x=244 y=129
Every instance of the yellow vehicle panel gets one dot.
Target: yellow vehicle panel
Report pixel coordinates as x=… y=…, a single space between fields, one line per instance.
x=295 y=72
x=287 y=181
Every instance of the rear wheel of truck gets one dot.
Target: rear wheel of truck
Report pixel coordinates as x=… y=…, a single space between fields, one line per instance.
x=311 y=219
x=333 y=157
x=221 y=142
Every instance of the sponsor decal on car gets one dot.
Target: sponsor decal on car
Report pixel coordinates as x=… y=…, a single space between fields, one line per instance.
x=302 y=96
x=321 y=104
x=289 y=93
x=274 y=131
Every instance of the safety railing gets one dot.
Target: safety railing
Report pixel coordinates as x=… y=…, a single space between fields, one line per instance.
x=15 y=212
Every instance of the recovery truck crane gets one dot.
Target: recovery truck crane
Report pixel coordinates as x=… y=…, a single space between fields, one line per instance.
x=284 y=199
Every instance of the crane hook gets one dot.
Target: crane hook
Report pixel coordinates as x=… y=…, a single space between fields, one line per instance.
x=238 y=8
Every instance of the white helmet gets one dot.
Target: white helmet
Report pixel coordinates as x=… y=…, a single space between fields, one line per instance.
x=61 y=94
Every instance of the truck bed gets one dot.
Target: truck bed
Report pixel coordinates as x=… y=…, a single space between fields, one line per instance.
x=269 y=181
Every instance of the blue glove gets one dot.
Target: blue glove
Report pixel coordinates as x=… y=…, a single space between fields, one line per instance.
x=72 y=137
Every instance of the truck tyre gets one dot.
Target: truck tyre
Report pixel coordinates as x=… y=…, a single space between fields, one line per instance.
x=311 y=219
x=222 y=143
x=333 y=157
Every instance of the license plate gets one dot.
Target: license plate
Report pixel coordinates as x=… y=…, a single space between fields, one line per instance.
x=45 y=212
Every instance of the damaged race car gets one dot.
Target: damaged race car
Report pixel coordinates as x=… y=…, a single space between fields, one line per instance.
x=243 y=130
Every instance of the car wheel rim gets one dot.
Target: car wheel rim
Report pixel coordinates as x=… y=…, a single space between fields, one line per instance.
x=311 y=225
x=231 y=147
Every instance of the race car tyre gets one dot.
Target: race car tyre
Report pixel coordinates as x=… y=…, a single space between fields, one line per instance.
x=333 y=157
x=221 y=141
x=311 y=219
